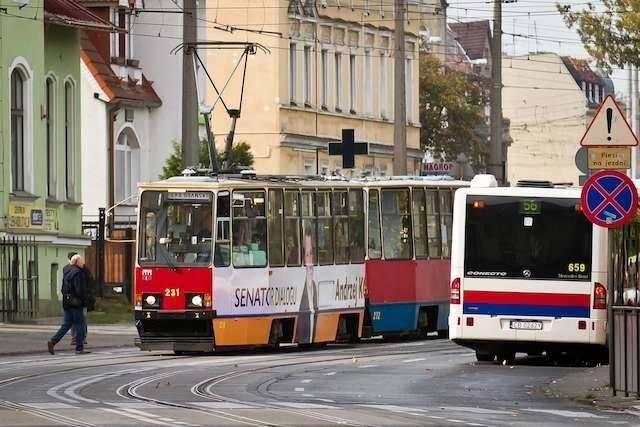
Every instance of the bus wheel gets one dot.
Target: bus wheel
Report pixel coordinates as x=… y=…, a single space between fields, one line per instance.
x=485 y=356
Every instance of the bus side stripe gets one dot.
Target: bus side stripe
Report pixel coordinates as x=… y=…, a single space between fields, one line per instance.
x=526 y=298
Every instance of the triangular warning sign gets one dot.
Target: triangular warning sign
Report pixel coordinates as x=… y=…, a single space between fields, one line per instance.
x=609 y=128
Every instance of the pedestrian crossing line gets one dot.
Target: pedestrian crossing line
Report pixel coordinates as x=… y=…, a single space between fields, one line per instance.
x=137 y=417
x=304 y=405
x=418 y=359
x=48 y=405
x=221 y=405
x=564 y=413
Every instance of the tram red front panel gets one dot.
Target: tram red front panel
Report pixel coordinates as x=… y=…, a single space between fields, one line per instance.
x=407 y=280
x=174 y=285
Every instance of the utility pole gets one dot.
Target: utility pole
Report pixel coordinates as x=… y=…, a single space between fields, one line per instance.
x=634 y=118
x=190 y=140
x=400 y=107
x=497 y=164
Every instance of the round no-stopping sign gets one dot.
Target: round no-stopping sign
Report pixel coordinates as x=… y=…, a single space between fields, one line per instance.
x=609 y=199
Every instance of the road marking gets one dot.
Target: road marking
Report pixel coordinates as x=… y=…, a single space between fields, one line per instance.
x=394 y=408
x=568 y=414
x=328 y=374
x=367 y=366
x=455 y=421
x=307 y=395
x=476 y=410
x=48 y=405
x=303 y=405
x=306 y=381
x=326 y=400
x=419 y=359
x=133 y=404
x=222 y=405
x=299 y=389
x=136 y=417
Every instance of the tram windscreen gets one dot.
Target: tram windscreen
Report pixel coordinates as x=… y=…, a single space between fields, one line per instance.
x=175 y=228
x=527 y=238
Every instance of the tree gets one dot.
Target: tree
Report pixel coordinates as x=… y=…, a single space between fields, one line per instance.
x=611 y=35
x=451 y=106
x=241 y=155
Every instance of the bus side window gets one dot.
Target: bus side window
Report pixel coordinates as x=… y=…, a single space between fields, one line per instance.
x=433 y=224
x=446 y=221
x=222 y=253
x=396 y=220
x=419 y=223
x=356 y=225
x=292 y=228
x=325 y=228
x=340 y=210
x=274 y=232
x=375 y=242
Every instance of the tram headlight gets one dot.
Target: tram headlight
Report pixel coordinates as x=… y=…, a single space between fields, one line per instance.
x=150 y=301
x=196 y=300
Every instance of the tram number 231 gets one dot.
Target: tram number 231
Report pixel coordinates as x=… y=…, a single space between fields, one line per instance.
x=172 y=292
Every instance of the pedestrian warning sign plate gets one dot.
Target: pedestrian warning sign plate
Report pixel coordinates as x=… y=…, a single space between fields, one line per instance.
x=609 y=128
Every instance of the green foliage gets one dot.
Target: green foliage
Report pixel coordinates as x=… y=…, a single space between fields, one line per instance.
x=451 y=106
x=240 y=156
x=609 y=34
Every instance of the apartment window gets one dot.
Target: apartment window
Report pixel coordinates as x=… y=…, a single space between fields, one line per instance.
x=338 y=80
x=292 y=73
x=69 y=140
x=307 y=75
x=115 y=37
x=409 y=88
x=383 y=86
x=122 y=36
x=17 y=130
x=352 y=83
x=324 y=77
x=309 y=167
x=368 y=83
x=127 y=165
x=50 y=137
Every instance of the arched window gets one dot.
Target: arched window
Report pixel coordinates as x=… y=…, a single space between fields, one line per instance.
x=69 y=139
x=50 y=135
x=17 y=130
x=127 y=164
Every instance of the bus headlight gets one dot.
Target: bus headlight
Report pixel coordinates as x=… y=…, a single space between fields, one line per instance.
x=196 y=301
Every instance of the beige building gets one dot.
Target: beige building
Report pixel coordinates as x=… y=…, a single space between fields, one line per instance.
x=550 y=100
x=330 y=67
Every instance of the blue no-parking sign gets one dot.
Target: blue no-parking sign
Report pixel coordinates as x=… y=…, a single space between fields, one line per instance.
x=609 y=199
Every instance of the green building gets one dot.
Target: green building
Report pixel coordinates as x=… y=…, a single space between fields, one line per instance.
x=40 y=188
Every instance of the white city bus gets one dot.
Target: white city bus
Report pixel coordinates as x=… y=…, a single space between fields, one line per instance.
x=528 y=273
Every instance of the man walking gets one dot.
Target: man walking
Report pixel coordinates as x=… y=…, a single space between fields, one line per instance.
x=74 y=299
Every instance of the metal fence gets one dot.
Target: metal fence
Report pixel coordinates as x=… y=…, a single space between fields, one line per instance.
x=18 y=279
x=624 y=313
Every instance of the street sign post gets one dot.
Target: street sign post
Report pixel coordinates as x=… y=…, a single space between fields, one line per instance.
x=609 y=128
x=609 y=199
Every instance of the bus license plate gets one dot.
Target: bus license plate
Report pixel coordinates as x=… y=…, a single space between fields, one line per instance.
x=530 y=326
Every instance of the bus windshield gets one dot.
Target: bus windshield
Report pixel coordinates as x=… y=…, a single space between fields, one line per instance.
x=175 y=228
x=527 y=238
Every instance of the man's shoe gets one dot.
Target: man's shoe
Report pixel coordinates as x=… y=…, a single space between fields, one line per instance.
x=83 y=351
x=50 y=345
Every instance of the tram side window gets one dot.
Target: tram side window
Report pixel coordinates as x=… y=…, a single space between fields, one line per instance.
x=309 y=239
x=222 y=255
x=396 y=220
x=249 y=247
x=292 y=228
x=433 y=224
x=446 y=221
x=419 y=223
x=276 y=255
x=340 y=208
x=375 y=241
x=325 y=228
x=356 y=225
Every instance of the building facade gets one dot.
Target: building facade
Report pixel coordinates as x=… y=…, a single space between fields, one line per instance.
x=40 y=183
x=330 y=66
x=550 y=101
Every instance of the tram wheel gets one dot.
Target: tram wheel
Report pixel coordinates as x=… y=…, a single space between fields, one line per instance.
x=506 y=356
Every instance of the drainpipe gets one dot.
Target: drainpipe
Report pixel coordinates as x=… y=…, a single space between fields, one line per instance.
x=112 y=112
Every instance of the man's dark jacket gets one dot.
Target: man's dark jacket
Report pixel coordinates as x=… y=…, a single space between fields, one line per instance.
x=74 y=282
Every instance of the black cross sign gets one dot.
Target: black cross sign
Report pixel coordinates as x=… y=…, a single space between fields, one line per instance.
x=348 y=148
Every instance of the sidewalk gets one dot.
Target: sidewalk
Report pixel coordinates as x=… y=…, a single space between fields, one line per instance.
x=21 y=338
x=591 y=388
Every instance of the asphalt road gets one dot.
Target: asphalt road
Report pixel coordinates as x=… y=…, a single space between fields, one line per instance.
x=431 y=382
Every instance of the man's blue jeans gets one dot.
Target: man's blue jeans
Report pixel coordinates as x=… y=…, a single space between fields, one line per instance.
x=73 y=317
